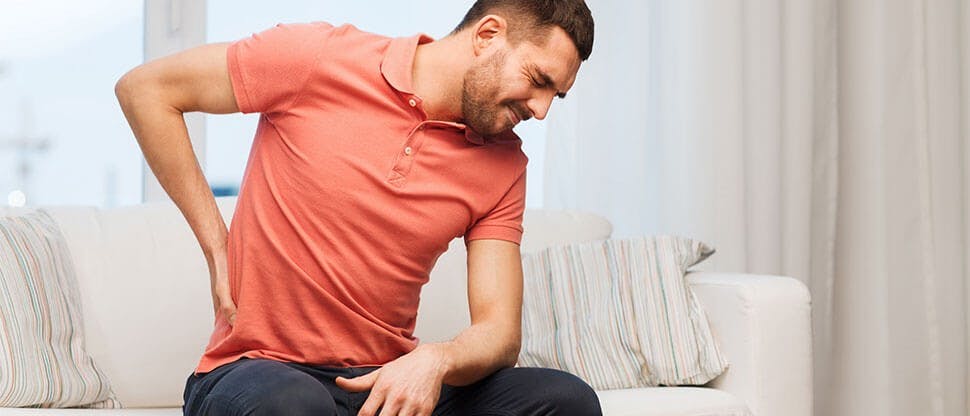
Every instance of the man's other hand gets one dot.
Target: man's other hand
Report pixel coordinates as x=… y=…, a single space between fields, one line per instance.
x=407 y=386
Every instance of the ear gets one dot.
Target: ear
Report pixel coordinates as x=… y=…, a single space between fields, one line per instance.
x=491 y=31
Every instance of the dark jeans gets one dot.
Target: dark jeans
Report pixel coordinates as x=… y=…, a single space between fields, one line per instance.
x=264 y=387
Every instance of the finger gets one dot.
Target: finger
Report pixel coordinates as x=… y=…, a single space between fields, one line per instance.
x=392 y=407
x=413 y=409
x=419 y=409
x=358 y=384
x=372 y=404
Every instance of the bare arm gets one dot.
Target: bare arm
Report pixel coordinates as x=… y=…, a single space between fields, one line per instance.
x=153 y=97
x=493 y=340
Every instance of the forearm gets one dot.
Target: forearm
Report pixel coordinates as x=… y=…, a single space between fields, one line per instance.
x=163 y=137
x=495 y=302
x=477 y=352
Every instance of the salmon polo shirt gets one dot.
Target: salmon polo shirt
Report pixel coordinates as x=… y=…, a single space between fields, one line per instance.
x=349 y=196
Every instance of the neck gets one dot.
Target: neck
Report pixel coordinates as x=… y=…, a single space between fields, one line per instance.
x=439 y=69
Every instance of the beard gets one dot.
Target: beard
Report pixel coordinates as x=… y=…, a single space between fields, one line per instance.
x=480 y=89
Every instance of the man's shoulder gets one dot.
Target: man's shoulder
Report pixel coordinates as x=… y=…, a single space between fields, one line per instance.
x=325 y=33
x=345 y=31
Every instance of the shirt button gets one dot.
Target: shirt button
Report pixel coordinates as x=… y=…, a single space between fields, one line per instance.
x=407 y=150
x=412 y=102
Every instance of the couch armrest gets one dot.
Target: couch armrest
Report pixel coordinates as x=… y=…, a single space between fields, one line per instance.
x=763 y=326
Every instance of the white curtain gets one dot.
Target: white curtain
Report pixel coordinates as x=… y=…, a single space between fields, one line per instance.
x=822 y=139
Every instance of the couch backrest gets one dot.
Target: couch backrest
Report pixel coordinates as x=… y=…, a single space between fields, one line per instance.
x=148 y=310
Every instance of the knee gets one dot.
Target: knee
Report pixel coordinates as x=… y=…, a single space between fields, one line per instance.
x=296 y=397
x=564 y=393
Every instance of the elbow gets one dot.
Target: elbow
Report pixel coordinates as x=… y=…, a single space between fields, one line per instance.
x=136 y=85
x=138 y=91
x=124 y=88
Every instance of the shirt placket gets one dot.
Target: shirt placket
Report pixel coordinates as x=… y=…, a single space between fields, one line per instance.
x=405 y=159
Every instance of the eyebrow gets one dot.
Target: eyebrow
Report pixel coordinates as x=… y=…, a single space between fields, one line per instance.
x=548 y=80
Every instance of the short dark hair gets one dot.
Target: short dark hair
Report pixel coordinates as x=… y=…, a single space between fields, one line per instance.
x=571 y=15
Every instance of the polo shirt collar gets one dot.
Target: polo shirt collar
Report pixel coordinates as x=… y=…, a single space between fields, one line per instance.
x=396 y=67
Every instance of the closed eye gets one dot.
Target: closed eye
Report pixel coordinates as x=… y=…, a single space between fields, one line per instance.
x=546 y=82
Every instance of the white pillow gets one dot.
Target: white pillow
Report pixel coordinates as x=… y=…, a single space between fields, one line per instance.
x=618 y=313
x=42 y=358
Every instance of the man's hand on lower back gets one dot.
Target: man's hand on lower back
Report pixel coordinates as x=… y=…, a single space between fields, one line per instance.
x=409 y=385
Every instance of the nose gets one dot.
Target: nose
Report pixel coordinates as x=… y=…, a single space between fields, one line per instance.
x=539 y=105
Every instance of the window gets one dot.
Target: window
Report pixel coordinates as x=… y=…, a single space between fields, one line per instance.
x=63 y=137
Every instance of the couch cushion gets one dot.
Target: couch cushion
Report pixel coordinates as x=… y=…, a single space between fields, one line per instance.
x=650 y=401
x=173 y=411
x=545 y=228
x=671 y=401
x=43 y=361
x=618 y=313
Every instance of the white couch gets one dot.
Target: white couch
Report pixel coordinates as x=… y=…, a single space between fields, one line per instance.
x=148 y=315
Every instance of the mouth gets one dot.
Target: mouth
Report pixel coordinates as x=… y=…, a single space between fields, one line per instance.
x=514 y=117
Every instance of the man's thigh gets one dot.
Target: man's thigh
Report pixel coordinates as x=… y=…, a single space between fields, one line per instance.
x=256 y=387
x=521 y=391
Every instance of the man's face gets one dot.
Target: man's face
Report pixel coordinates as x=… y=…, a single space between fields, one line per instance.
x=510 y=84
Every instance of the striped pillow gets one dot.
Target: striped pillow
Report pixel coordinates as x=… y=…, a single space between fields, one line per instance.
x=42 y=357
x=618 y=313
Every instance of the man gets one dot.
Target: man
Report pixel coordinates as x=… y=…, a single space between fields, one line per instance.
x=371 y=154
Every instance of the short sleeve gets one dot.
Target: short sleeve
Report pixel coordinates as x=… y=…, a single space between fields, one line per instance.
x=504 y=222
x=269 y=69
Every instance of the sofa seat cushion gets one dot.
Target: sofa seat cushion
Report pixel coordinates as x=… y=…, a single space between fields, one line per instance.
x=671 y=401
x=171 y=411
x=648 y=401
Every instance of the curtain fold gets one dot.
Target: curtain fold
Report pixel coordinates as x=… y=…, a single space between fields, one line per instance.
x=965 y=132
x=825 y=140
